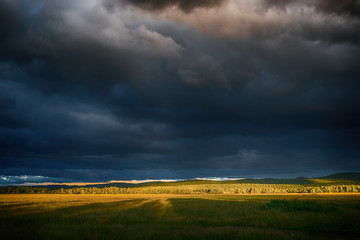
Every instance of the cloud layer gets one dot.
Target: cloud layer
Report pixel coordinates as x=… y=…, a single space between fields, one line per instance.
x=184 y=5
x=108 y=89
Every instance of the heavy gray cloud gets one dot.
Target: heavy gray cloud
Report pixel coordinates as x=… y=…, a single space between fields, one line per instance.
x=346 y=7
x=9 y=18
x=248 y=87
x=184 y=5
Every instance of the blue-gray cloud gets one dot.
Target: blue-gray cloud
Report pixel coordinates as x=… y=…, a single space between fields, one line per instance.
x=87 y=87
x=13 y=180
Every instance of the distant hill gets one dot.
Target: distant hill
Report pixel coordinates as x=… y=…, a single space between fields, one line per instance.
x=337 y=178
x=354 y=176
x=300 y=180
x=100 y=185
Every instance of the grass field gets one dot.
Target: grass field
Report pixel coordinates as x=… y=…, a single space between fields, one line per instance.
x=295 y=216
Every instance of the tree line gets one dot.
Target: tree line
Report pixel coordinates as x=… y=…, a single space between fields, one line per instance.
x=191 y=189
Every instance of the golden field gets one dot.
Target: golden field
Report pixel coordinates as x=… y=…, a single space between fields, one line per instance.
x=170 y=216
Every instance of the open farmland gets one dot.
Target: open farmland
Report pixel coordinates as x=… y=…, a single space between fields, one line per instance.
x=166 y=216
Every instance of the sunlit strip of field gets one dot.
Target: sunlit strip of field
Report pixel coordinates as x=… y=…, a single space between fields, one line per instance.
x=68 y=200
x=198 y=216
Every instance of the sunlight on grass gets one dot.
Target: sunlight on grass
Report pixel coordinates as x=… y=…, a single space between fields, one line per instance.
x=180 y=217
x=323 y=181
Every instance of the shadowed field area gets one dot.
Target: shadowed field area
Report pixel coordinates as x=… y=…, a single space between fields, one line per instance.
x=330 y=216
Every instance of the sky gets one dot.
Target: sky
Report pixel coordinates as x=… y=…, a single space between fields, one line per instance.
x=95 y=90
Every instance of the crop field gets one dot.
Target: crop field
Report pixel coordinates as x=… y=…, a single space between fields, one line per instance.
x=166 y=216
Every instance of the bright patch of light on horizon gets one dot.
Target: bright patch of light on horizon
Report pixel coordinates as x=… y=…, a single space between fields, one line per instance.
x=219 y=179
x=22 y=179
x=30 y=180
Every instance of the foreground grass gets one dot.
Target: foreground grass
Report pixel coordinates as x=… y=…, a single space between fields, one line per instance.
x=332 y=216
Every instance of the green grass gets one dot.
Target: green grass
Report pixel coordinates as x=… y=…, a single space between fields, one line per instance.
x=180 y=217
x=296 y=206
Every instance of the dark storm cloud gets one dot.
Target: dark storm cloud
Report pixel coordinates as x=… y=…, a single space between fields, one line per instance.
x=184 y=5
x=9 y=18
x=347 y=7
x=351 y=7
x=85 y=88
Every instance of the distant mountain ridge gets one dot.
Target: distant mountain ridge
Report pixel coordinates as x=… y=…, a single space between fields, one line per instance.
x=337 y=178
x=333 y=178
x=354 y=176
